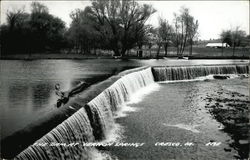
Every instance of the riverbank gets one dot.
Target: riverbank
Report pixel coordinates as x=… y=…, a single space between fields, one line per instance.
x=200 y=54
x=229 y=106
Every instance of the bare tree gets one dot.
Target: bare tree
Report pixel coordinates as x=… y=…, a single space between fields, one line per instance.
x=192 y=33
x=15 y=19
x=185 y=28
x=164 y=33
x=225 y=38
x=237 y=37
x=121 y=22
x=37 y=7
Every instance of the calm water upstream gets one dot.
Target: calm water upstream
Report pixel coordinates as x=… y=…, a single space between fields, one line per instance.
x=27 y=87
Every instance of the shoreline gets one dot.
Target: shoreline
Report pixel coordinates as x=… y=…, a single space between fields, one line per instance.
x=58 y=56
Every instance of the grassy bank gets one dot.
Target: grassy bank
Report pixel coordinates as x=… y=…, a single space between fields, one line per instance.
x=198 y=53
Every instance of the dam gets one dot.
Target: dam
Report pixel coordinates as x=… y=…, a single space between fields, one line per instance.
x=98 y=120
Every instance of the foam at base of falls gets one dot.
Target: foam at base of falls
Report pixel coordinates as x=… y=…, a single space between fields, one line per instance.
x=188 y=127
x=124 y=110
x=114 y=135
x=203 y=78
x=139 y=95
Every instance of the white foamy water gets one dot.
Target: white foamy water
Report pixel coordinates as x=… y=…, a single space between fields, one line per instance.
x=98 y=155
x=115 y=134
x=203 y=78
x=124 y=111
x=140 y=94
x=188 y=127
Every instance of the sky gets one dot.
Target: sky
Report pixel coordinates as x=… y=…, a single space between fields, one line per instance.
x=213 y=16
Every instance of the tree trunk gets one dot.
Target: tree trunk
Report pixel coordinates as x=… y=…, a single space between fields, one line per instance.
x=123 y=52
x=140 y=51
x=222 y=49
x=149 y=47
x=116 y=52
x=166 y=49
x=233 y=50
x=158 y=51
x=191 y=48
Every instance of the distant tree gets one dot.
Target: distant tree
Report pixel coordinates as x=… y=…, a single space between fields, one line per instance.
x=185 y=28
x=47 y=30
x=192 y=33
x=37 y=7
x=165 y=31
x=81 y=33
x=14 y=34
x=35 y=32
x=226 y=37
x=233 y=37
x=151 y=37
x=237 y=37
x=120 y=22
x=142 y=38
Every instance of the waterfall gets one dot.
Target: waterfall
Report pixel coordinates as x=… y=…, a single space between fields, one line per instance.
x=192 y=72
x=89 y=124
x=104 y=106
x=76 y=129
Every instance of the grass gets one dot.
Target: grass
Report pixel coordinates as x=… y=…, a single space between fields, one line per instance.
x=198 y=53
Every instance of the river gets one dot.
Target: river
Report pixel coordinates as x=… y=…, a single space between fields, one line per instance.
x=27 y=87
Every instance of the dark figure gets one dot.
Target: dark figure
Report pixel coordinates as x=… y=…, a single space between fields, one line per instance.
x=64 y=96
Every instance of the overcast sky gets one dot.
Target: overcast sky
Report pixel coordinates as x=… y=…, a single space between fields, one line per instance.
x=213 y=16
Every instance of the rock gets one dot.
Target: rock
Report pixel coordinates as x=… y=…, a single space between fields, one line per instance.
x=243 y=141
x=220 y=77
x=227 y=149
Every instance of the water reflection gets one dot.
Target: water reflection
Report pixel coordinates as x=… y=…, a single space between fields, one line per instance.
x=41 y=94
x=18 y=95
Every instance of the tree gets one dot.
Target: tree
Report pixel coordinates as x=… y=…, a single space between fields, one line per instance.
x=192 y=33
x=120 y=22
x=226 y=38
x=165 y=31
x=14 y=34
x=81 y=33
x=233 y=37
x=237 y=37
x=47 y=30
x=151 y=37
x=35 y=32
x=185 y=29
x=37 y=7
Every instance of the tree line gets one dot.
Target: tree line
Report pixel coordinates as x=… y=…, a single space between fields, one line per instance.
x=235 y=38
x=114 y=25
x=31 y=33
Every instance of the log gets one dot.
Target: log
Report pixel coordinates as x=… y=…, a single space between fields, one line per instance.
x=64 y=96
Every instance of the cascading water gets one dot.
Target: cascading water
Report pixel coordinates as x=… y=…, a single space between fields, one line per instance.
x=91 y=123
x=108 y=102
x=192 y=72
